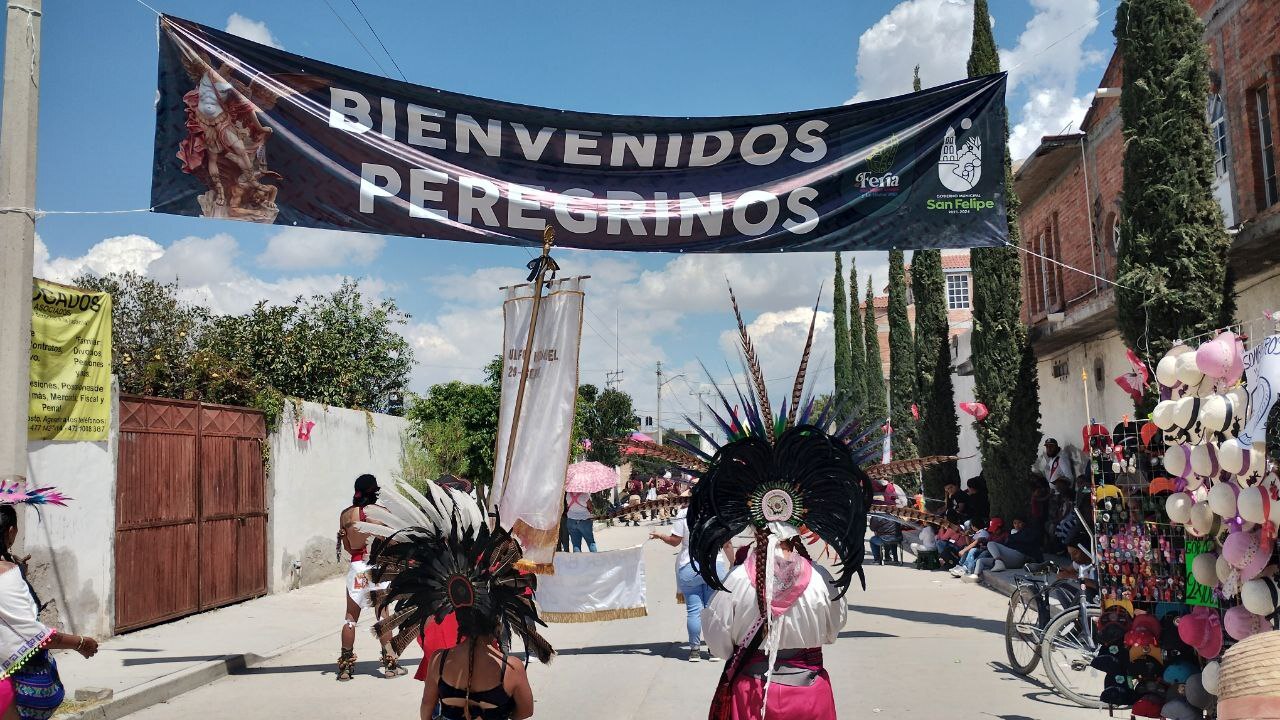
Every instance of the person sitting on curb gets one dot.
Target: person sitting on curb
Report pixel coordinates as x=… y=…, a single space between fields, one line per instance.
x=970 y=553
x=1022 y=546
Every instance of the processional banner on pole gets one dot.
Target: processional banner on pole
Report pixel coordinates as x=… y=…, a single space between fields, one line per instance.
x=528 y=491
x=249 y=132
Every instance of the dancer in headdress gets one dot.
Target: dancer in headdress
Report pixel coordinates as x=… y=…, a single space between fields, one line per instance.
x=784 y=477
x=438 y=557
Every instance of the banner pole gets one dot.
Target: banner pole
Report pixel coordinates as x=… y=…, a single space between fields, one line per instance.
x=548 y=239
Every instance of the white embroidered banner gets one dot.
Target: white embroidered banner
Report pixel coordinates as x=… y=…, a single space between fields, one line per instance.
x=533 y=497
x=589 y=587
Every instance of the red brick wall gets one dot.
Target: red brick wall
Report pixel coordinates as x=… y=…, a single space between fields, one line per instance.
x=1243 y=50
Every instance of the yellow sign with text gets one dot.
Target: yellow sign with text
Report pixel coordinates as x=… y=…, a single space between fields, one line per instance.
x=70 y=363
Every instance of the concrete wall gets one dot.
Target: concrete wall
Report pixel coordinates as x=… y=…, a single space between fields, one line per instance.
x=72 y=550
x=1062 y=400
x=310 y=484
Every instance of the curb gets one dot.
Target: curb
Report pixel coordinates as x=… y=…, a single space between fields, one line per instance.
x=167 y=687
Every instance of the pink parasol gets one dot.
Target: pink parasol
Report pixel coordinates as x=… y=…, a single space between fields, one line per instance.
x=589 y=477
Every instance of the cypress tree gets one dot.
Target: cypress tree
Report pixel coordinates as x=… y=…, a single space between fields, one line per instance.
x=875 y=402
x=939 y=432
x=1009 y=436
x=902 y=363
x=840 y=308
x=939 y=428
x=857 y=346
x=1173 y=246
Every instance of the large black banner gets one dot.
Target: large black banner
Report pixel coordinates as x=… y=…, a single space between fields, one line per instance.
x=247 y=132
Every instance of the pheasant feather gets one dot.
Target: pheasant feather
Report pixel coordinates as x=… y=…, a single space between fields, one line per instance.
x=753 y=363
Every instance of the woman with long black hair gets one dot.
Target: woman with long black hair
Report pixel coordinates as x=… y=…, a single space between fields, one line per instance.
x=30 y=688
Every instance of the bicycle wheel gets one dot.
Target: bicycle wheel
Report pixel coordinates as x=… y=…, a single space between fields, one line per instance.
x=1022 y=627
x=1062 y=595
x=1067 y=653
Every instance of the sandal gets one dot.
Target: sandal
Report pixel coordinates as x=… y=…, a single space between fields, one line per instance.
x=346 y=665
x=391 y=666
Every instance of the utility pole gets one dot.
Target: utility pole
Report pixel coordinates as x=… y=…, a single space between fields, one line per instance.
x=17 y=228
x=698 y=394
x=659 y=402
x=613 y=378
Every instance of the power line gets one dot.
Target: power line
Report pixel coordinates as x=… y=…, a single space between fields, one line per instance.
x=356 y=38
x=379 y=39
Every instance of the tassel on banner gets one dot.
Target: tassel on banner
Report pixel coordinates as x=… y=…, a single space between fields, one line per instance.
x=596 y=615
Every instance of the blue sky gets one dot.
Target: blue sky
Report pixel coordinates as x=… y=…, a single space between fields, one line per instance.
x=653 y=58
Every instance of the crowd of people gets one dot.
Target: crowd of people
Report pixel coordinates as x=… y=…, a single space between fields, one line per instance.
x=1059 y=485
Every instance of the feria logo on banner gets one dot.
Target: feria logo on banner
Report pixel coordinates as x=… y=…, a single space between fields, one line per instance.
x=960 y=167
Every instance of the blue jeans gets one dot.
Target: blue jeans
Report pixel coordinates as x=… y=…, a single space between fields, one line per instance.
x=697 y=595
x=580 y=530
x=878 y=542
x=971 y=558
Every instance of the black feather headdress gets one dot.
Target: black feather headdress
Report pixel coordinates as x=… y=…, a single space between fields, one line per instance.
x=798 y=468
x=439 y=557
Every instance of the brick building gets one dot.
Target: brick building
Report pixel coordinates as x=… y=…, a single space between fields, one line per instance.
x=1070 y=189
x=959 y=284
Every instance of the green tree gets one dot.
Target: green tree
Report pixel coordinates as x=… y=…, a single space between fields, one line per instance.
x=1171 y=228
x=875 y=398
x=153 y=333
x=611 y=418
x=471 y=406
x=1009 y=436
x=857 y=344
x=939 y=426
x=902 y=363
x=840 y=309
x=334 y=348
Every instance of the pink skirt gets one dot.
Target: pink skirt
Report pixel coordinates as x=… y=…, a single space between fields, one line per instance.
x=7 y=695
x=786 y=702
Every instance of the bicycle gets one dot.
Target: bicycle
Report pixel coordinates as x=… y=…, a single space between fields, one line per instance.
x=1033 y=604
x=1068 y=645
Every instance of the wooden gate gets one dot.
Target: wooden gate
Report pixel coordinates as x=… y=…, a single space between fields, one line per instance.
x=191 y=513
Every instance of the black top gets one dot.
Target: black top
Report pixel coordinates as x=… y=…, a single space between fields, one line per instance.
x=503 y=704
x=1027 y=542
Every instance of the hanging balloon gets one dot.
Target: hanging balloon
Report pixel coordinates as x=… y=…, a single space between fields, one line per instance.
x=976 y=409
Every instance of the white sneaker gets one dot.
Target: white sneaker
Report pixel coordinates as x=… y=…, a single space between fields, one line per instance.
x=999 y=566
x=957 y=571
x=971 y=578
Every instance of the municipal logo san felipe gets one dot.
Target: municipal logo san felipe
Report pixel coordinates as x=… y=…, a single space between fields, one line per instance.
x=879 y=176
x=959 y=170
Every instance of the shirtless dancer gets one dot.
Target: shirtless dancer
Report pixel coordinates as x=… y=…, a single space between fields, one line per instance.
x=358 y=584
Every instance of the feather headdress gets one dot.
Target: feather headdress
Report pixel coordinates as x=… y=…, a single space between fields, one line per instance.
x=440 y=558
x=798 y=466
x=18 y=492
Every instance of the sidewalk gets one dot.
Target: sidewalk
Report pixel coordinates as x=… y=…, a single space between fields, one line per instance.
x=149 y=666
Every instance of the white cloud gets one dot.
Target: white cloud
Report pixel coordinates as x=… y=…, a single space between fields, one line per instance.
x=1045 y=54
x=934 y=34
x=1049 y=112
x=779 y=338
x=1048 y=59
x=254 y=30
x=204 y=268
x=297 y=248
x=123 y=253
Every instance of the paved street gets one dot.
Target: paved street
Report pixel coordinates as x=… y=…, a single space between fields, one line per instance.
x=918 y=645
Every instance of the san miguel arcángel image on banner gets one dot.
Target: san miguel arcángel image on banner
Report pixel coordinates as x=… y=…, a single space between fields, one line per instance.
x=253 y=133
x=70 y=363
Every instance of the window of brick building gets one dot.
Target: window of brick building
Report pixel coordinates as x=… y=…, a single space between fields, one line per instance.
x=1266 y=146
x=1218 y=131
x=957 y=291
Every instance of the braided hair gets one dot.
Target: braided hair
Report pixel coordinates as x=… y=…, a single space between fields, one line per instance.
x=9 y=519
